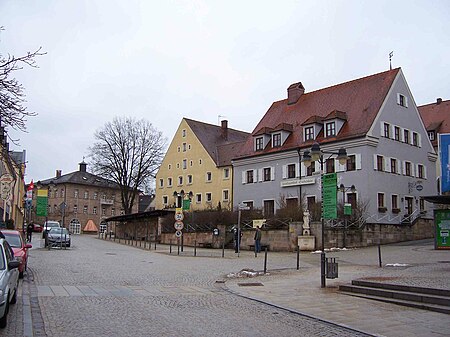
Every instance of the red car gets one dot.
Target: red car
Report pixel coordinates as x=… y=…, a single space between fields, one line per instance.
x=17 y=243
x=37 y=228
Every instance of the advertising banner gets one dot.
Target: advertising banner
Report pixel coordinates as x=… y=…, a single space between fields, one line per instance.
x=42 y=202
x=329 y=194
x=442 y=223
x=444 y=150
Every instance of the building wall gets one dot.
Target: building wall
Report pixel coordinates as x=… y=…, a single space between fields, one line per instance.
x=186 y=146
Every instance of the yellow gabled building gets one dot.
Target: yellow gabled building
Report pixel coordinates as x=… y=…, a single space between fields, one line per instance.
x=197 y=166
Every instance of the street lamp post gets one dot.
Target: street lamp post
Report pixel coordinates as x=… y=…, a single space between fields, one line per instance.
x=316 y=154
x=344 y=189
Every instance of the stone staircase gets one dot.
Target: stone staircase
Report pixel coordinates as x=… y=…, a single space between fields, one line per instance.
x=417 y=297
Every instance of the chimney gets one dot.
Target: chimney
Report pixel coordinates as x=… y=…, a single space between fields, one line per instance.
x=224 y=129
x=58 y=174
x=82 y=166
x=294 y=92
x=439 y=101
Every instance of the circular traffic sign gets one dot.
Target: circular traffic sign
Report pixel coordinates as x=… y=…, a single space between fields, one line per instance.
x=179 y=225
x=178 y=234
x=179 y=216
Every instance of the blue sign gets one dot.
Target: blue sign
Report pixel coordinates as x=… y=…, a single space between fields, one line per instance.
x=444 y=148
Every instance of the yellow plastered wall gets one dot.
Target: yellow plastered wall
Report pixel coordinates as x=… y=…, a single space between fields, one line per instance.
x=186 y=146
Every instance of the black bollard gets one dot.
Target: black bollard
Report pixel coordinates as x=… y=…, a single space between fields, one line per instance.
x=195 y=247
x=170 y=246
x=265 y=261
x=223 y=248
x=298 y=257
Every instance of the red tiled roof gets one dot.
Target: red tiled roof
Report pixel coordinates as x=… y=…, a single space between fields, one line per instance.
x=212 y=138
x=436 y=117
x=361 y=99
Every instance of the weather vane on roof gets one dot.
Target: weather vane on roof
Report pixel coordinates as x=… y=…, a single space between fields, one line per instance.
x=390 y=58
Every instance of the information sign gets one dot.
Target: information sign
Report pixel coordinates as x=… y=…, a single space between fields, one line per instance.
x=179 y=216
x=179 y=225
x=442 y=223
x=178 y=234
x=329 y=195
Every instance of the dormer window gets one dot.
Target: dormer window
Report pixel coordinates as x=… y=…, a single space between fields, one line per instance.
x=259 y=144
x=309 y=133
x=330 y=129
x=276 y=140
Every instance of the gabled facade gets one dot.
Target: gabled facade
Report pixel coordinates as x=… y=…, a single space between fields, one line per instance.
x=391 y=162
x=197 y=165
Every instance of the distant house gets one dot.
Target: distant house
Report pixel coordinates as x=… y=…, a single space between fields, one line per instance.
x=391 y=161
x=197 y=166
x=436 y=117
x=78 y=198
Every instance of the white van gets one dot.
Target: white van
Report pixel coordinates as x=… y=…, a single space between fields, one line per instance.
x=49 y=224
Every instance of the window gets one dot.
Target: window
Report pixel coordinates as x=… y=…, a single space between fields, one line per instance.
x=380 y=200
x=103 y=211
x=329 y=165
x=179 y=149
x=387 y=129
x=96 y=194
x=402 y=100
x=191 y=163
x=269 y=208
x=330 y=129
x=200 y=161
x=226 y=173
x=161 y=184
x=63 y=192
x=208 y=176
x=94 y=210
x=394 y=165
x=267 y=175
x=394 y=201
x=431 y=135
x=178 y=165
x=180 y=180
x=86 y=194
x=259 y=144
x=113 y=211
x=184 y=147
x=85 y=209
x=56 y=193
x=249 y=176
x=184 y=164
x=415 y=139
x=183 y=133
x=380 y=163
x=291 y=203
x=169 y=182
x=309 y=133
x=169 y=166
x=311 y=169
x=165 y=200
x=408 y=168
x=406 y=136
x=351 y=163
x=75 y=209
x=397 y=133
x=225 y=195
x=208 y=197
x=276 y=140
x=421 y=204
x=75 y=193
x=291 y=171
x=189 y=179
x=198 y=198
x=420 y=171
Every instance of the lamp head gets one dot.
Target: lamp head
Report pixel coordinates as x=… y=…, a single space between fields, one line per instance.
x=342 y=188
x=342 y=156
x=306 y=160
x=353 y=188
x=315 y=152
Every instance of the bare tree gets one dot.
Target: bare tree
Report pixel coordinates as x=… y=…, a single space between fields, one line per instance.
x=128 y=152
x=12 y=97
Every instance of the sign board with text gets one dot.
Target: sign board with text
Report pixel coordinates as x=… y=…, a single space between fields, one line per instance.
x=329 y=195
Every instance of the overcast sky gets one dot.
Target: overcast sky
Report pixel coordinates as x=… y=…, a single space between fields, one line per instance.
x=165 y=60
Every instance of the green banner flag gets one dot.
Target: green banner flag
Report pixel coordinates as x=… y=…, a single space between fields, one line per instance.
x=186 y=205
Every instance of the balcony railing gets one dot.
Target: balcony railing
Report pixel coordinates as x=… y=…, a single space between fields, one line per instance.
x=105 y=201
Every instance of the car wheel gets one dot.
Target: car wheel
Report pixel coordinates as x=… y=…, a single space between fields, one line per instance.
x=3 y=320
x=21 y=274
x=14 y=298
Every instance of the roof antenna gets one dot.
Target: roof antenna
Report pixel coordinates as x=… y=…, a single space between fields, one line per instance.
x=390 y=58
x=218 y=119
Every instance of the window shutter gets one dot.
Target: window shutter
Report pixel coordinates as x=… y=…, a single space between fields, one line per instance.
x=284 y=168
x=272 y=173
x=298 y=172
x=412 y=170
x=303 y=170
x=382 y=128
x=417 y=171
x=403 y=168
x=387 y=164
x=406 y=101
x=375 y=161
x=243 y=177
x=358 y=161
x=425 y=172
x=402 y=134
x=258 y=174
x=419 y=140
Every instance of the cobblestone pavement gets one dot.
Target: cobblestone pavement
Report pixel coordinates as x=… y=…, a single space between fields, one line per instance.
x=102 y=288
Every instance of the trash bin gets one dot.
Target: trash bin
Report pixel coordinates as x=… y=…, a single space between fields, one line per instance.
x=331 y=268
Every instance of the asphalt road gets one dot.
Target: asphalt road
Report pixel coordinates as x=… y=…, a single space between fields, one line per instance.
x=102 y=288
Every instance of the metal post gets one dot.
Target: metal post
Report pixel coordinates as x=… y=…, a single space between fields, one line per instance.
x=155 y=243
x=379 y=246
x=265 y=261
x=238 y=236
x=322 y=254
x=223 y=248
x=178 y=244
x=298 y=257
x=170 y=246
x=195 y=247
x=182 y=243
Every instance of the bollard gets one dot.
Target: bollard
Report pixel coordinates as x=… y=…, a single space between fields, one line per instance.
x=223 y=248
x=298 y=257
x=178 y=246
x=182 y=243
x=265 y=261
x=170 y=247
x=155 y=243
x=195 y=247
x=379 y=256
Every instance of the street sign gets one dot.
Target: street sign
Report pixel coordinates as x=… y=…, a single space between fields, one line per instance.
x=243 y=207
x=179 y=216
x=186 y=205
x=178 y=234
x=329 y=195
x=179 y=225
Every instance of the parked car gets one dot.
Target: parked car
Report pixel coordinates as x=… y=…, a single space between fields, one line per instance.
x=58 y=236
x=49 y=225
x=37 y=228
x=20 y=249
x=9 y=280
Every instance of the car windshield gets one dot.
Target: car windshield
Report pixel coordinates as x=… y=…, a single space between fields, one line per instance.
x=2 y=259
x=13 y=239
x=52 y=224
x=59 y=231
